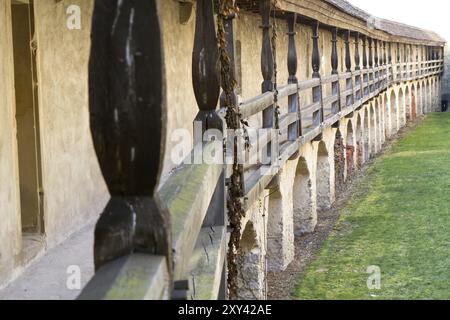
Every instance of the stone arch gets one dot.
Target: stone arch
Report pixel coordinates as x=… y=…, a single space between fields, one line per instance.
x=401 y=109
x=373 y=129
x=251 y=266
x=393 y=111
x=339 y=161
x=359 y=143
x=305 y=215
x=323 y=186
x=350 y=149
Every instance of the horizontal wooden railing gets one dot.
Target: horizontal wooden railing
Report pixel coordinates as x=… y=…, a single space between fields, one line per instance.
x=190 y=192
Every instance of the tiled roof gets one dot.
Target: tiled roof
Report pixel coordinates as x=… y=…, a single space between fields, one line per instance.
x=391 y=27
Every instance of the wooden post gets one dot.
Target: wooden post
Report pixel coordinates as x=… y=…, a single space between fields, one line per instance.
x=348 y=59
x=390 y=53
x=205 y=68
x=128 y=120
x=364 y=58
x=357 y=58
x=315 y=59
x=315 y=50
x=348 y=65
x=375 y=42
x=206 y=84
x=334 y=52
x=294 y=130
x=267 y=69
x=370 y=54
x=336 y=107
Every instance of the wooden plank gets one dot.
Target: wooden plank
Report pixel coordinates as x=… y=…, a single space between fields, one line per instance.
x=287 y=90
x=187 y=194
x=257 y=104
x=308 y=84
x=133 y=277
x=206 y=264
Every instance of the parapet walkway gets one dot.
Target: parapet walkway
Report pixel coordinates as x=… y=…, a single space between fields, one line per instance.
x=54 y=276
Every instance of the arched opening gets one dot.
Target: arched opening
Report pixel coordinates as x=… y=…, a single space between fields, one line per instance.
x=350 y=150
x=427 y=97
x=251 y=266
x=373 y=131
x=305 y=214
x=323 y=178
x=402 y=111
x=393 y=112
x=339 y=162
x=359 y=143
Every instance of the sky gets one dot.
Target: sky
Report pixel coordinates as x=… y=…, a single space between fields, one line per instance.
x=427 y=14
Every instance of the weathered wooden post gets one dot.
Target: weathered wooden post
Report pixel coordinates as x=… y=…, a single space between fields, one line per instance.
x=348 y=58
x=128 y=120
x=294 y=130
x=267 y=70
x=405 y=60
x=315 y=50
x=399 y=73
x=336 y=106
x=205 y=68
x=348 y=66
x=358 y=81
x=417 y=62
x=375 y=43
x=315 y=59
x=364 y=47
x=206 y=83
x=376 y=60
x=371 y=64
x=357 y=58
x=385 y=63
x=364 y=58
x=334 y=52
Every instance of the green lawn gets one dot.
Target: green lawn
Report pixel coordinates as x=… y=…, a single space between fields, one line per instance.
x=399 y=220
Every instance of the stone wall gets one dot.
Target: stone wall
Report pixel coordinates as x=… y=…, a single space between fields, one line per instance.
x=10 y=235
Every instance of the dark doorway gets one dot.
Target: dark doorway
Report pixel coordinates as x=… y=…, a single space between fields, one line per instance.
x=27 y=121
